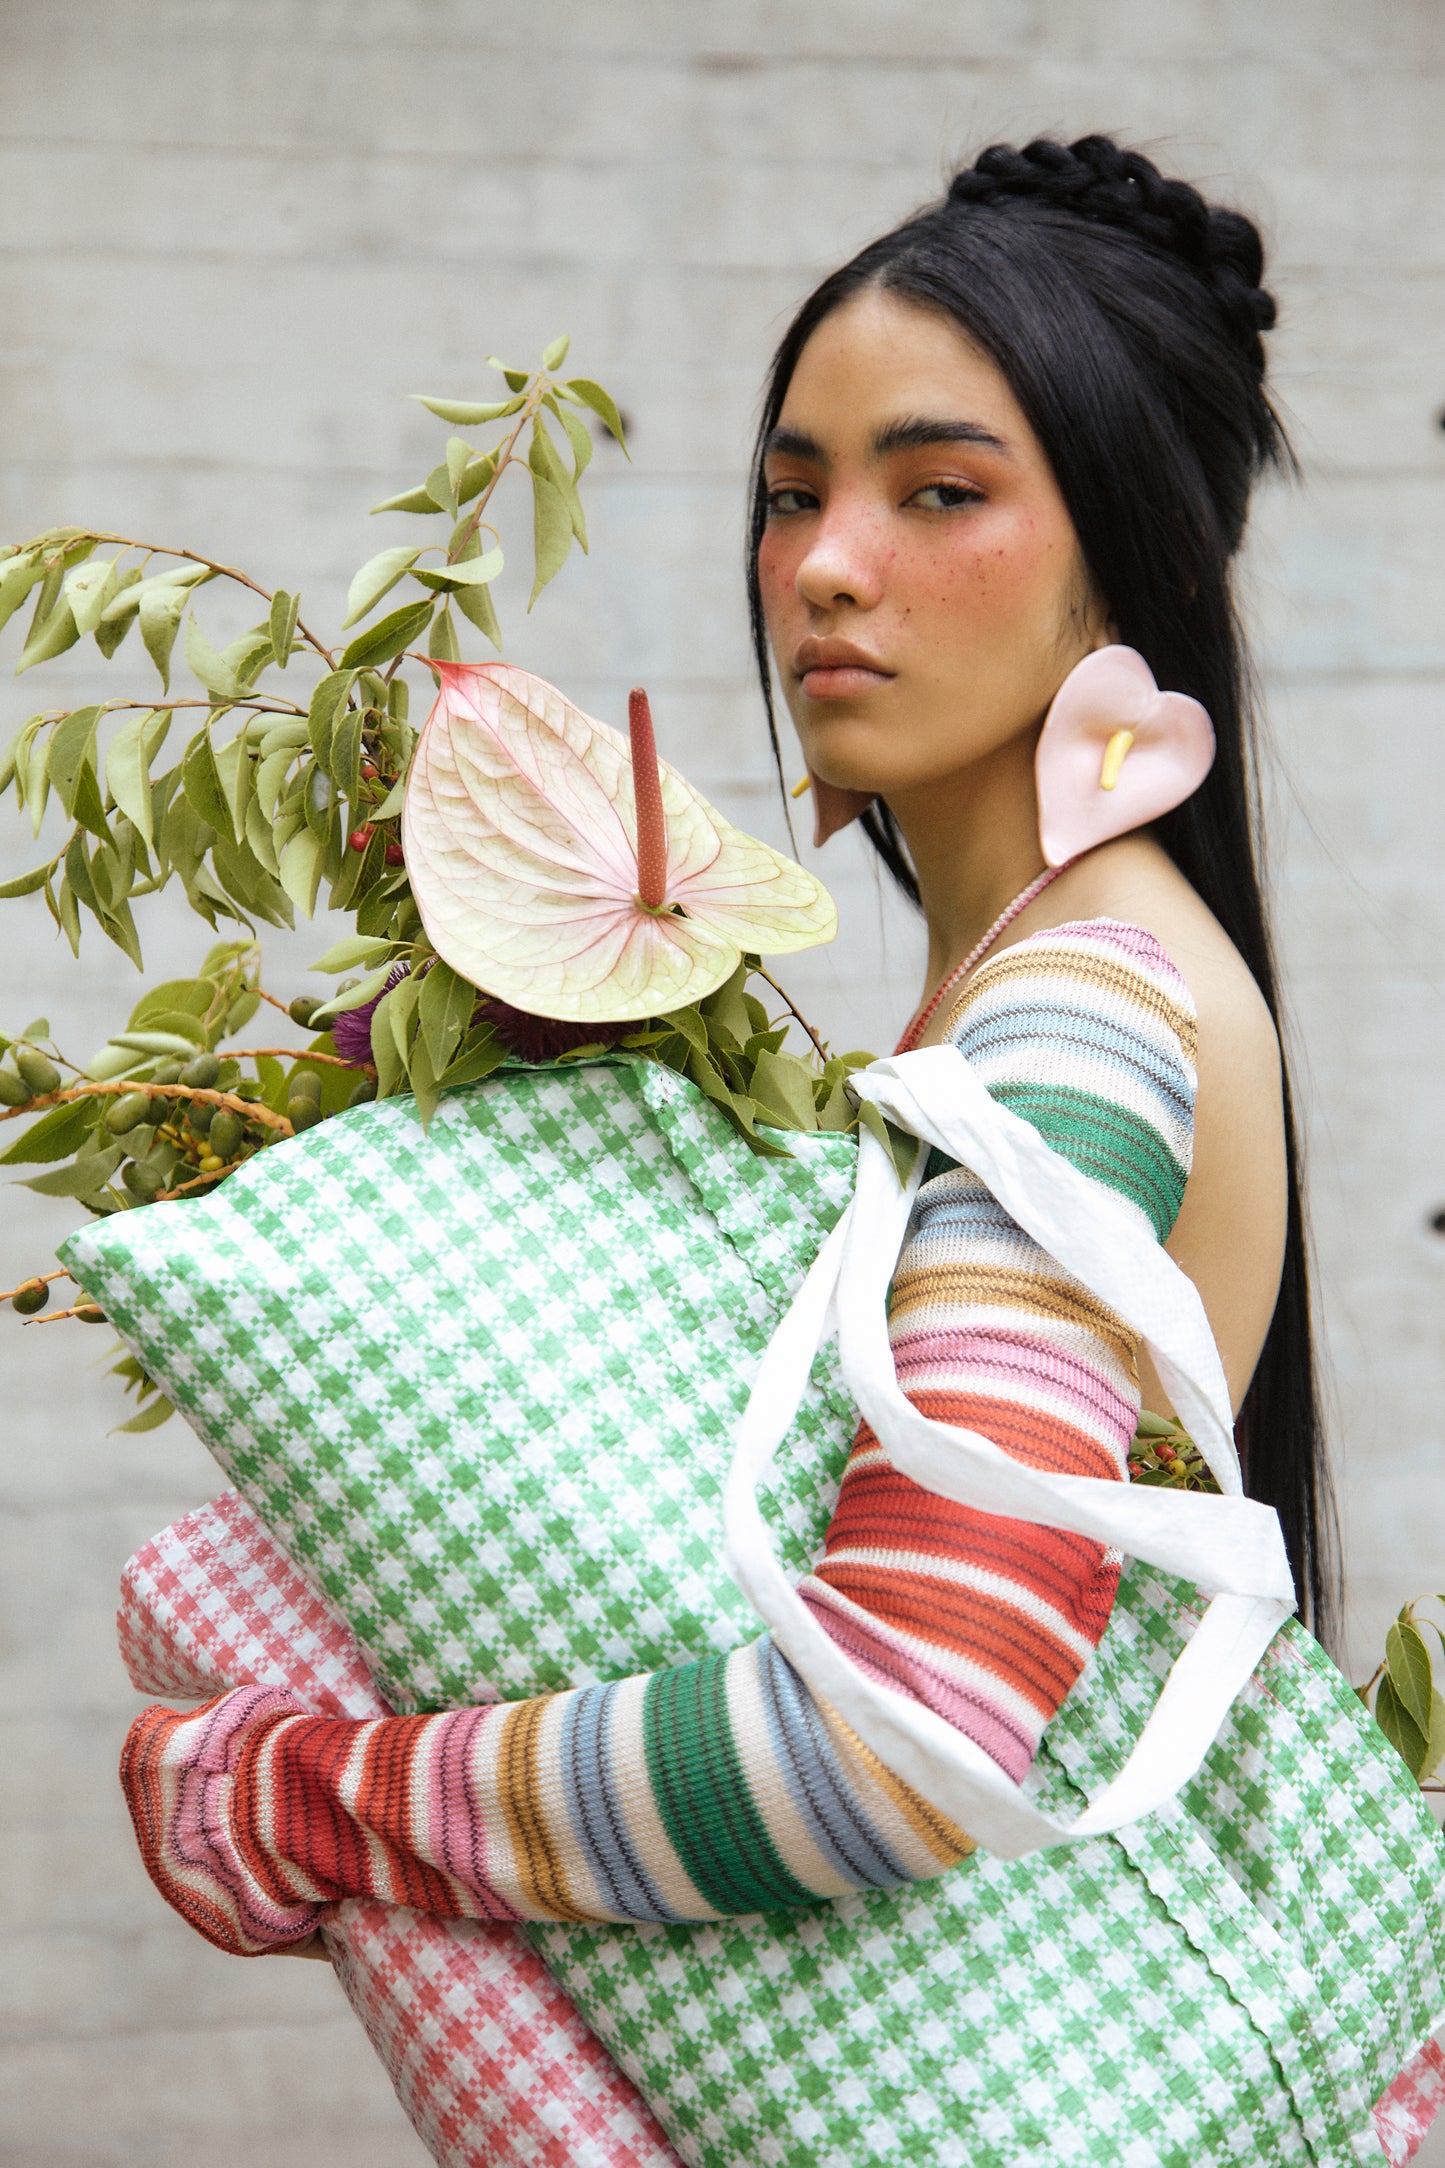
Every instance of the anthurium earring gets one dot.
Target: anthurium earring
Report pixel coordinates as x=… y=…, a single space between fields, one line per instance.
x=834 y=805
x=1115 y=753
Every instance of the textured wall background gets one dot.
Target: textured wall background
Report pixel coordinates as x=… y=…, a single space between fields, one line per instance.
x=232 y=237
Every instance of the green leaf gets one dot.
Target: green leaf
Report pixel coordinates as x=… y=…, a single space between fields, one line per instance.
x=554 y=355
x=48 y=638
x=326 y=702
x=25 y=884
x=57 y=1133
x=1435 y=1738
x=439 y=485
x=161 y=611
x=1407 y=1663
x=151 y=1416
x=112 y=630
x=376 y=578
x=356 y=996
x=394 y=633
x=544 y=458
x=17 y=576
x=72 y=746
x=301 y=866
x=82 y=1178
x=201 y=781
x=551 y=532
x=179 y=578
x=586 y=393
x=442 y=643
x=88 y=589
x=1399 y=1727
x=477 y=606
x=213 y=671
x=281 y=624
x=516 y=378
x=900 y=1146
x=160 y=1045
x=478 y=1055
x=352 y=949
x=783 y=1091
x=579 y=436
x=471 y=572
x=475 y=479
x=128 y=763
x=445 y=1007
x=411 y=500
x=468 y=413
x=459 y=458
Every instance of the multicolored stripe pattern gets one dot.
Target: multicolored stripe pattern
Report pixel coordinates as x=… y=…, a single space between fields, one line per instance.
x=722 y=1787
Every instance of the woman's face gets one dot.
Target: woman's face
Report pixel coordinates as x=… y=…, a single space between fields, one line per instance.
x=923 y=586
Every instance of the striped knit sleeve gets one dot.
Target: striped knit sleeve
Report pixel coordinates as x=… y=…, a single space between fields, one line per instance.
x=722 y=1786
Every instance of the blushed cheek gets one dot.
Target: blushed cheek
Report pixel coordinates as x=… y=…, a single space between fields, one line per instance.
x=996 y=581
x=777 y=576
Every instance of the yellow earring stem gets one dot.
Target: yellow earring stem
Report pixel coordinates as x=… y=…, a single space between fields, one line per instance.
x=801 y=788
x=1114 y=753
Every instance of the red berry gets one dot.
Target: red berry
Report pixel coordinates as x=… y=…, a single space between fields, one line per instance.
x=395 y=855
x=360 y=837
x=368 y=769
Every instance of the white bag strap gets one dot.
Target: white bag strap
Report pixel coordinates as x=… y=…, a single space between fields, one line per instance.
x=1230 y=1547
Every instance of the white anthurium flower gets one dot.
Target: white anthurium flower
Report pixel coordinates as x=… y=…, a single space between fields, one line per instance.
x=574 y=876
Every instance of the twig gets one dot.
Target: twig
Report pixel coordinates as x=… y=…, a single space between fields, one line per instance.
x=229 y=572
x=53 y=1317
x=274 y=1000
x=819 y=1048
x=34 y=1280
x=248 y=1109
x=297 y=1053
x=197 y=1181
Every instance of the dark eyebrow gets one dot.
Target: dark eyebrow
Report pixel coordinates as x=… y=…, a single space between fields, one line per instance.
x=908 y=435
x=919 y=430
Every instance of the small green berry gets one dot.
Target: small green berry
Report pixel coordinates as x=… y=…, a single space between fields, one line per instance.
x=303 y=1113
x=306 y=1084
x=199 y=1116
x=90 y=1313
x=362 y=1093
x=302 y=1009
x=31 y=1297
x=39 y=1072
x=142 y=1179
x=201 y=1073
x=127 y=1113
x=170 y=1074
x=225 y=1133
x=13 y=1093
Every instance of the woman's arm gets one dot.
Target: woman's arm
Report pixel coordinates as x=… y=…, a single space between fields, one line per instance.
x=722 y=1786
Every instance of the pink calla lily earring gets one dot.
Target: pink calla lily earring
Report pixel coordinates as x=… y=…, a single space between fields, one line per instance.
x=834 y=805
x=1115 y=753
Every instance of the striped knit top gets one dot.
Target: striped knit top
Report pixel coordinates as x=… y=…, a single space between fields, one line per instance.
x=722 y=1786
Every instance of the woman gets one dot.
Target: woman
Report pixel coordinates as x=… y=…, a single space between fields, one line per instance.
x=1017 y=430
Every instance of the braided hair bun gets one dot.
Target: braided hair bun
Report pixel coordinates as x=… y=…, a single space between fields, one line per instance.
x=1096 y=179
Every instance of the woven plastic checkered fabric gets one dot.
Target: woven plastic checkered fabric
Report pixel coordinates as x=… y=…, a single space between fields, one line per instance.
x=1404 y=2116
x=487 y=2054
x=481 y=1384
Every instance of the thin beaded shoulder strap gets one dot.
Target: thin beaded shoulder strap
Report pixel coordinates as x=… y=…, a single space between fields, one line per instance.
x=975 y=955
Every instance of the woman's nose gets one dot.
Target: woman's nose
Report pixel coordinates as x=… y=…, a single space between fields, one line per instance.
x=843 y=562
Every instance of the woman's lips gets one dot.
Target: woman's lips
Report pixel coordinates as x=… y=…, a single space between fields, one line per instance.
x=842 y=681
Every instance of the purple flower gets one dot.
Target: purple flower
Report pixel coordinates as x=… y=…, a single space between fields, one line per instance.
x=351 y=1031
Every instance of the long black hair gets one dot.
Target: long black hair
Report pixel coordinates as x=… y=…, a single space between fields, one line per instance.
x=1126 y=314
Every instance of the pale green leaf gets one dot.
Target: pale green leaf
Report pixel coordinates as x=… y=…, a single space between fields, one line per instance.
x=212 y=669
x=582 y=389
x=551 y=532
x=380 y=643
x=554 y=355
x=72 y=747
x=25 y=884
x=352 y=949
x=128 y=763
x=376 y=578
x=442 y=641
x=17 y=576
x=476 y=605
x=410 y=500
x=282 y=624
x=152 y=1415
x=179 y=578
x=471 y=572
x=355 y=997
x=88 y=589
x=161 y=611
x=83 y=1177
x=301 y=867
x=48 y=638
x=468 y=413
x=1407 y=1661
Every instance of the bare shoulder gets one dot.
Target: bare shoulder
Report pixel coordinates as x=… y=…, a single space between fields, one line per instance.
x=1133 y=880
x=1230 y=1233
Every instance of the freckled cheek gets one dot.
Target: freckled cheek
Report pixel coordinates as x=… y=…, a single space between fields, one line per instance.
x=777 y=575
x=974 y=576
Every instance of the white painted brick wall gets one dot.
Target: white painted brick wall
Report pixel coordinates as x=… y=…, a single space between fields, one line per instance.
x=232 y=238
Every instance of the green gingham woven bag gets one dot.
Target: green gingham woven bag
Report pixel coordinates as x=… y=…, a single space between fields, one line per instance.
x=483 y=1384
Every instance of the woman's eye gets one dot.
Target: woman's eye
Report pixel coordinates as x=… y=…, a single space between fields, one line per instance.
x=790 y=497
x=945 y=496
